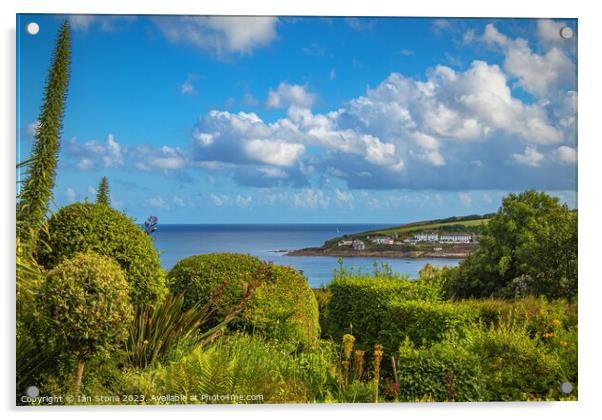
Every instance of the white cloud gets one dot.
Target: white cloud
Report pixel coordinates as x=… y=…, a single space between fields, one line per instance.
x=566 y=155
x=344 y=198
x=219 y=199
x=310 y=198
x=220 y=35
x=71 y=195
x=93 y=154
x=548 y=32
x=178 y=201
x=187 y=88
x=83 y=23
x=538 y=74
x=530 y=157
x=243 y=201
x=274 y=152
x=164 y=158
x=290 y=95
x=465 y=199
x=360 y=24
x=157 y=202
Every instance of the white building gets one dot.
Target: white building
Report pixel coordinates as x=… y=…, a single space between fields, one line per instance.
x=358 y=245
x=426 y=237
x=345 y=242
x=456 y=238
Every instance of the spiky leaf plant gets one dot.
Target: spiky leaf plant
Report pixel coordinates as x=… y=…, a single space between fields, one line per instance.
x=40 y=170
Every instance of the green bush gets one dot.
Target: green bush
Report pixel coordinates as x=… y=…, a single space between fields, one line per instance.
x=234 y=365
x=83 y=227
x=443 y=372
x=322 y=295
x=86 y=304
x=360 y=304
x=424 y=322
x=513 y=365
x=497 y=364
x=282 y=307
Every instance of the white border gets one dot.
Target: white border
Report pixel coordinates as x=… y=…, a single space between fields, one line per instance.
x=590 y=211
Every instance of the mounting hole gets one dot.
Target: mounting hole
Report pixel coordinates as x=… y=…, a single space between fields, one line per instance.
x=32 y=391
x=32 y=28
x=566 y=388
x=566 y=32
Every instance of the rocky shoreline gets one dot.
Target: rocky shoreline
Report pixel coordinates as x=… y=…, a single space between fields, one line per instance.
x=325 y=252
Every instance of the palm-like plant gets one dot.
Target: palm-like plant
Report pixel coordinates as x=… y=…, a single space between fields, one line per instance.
x=157 y=328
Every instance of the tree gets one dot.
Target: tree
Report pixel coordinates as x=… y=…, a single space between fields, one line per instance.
x=36 y=189
x=103 y=196
x=528 y=247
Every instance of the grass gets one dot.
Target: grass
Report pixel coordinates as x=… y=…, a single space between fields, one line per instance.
x=428 y=226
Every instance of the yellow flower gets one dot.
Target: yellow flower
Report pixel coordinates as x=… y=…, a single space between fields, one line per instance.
x=556 y=322
x=348 y=341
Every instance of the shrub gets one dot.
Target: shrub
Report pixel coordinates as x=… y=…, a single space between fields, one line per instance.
x=443 y=372
x=85 y=301
x=234 y=365
x=359 y=304
x=322 y=295
x=82 y=227
x=513 y=365
x=282 y=307
x=424 y=322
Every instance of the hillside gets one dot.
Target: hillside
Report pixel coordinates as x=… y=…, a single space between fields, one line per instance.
x=454 y=237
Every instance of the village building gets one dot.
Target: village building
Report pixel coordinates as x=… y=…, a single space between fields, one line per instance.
x=426 y=237
x=358 y=245
x=456 y=238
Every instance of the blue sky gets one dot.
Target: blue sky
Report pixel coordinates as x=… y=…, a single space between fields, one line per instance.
x=269 y=120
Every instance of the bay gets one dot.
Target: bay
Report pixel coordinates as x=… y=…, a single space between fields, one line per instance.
x=270 y=242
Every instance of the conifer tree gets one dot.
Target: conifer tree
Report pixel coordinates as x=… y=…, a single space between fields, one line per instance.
x=40 y=170
x=103 y=195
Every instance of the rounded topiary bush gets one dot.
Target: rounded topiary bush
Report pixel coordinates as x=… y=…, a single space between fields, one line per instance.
x=86 y=302
x=282 y=307
x=82 y=227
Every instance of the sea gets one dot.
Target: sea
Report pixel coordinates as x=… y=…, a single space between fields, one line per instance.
x=270 y=242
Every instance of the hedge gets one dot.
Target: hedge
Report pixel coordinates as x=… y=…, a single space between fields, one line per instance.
x=360 y=304
x=443 y=372
x=502 y=364
x=424 y=322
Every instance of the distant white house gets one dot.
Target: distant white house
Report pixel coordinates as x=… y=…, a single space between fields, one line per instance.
x=456 y=238
x=358 y=245
x=426 y=237
x=345 y=242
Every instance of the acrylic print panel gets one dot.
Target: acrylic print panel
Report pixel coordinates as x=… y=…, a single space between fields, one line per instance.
x=295 y=209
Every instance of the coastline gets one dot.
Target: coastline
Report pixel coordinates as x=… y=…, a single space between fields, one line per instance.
x=320 y=252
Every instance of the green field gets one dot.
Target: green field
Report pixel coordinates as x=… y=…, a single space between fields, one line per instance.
x=429 y=225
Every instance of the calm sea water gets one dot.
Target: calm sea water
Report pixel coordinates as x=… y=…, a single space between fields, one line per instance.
x=269 y=242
